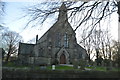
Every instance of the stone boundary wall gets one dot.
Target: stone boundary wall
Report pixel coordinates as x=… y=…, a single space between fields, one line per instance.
x=31 y=73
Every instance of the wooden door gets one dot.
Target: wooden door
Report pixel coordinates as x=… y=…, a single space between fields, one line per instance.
x=62 y=59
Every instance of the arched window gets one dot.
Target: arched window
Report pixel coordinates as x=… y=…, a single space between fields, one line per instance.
x=58 y=40
x=66 y=40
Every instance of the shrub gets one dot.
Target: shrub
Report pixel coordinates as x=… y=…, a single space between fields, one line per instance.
x=9 y=64
x=82 y=64
x=75 y=64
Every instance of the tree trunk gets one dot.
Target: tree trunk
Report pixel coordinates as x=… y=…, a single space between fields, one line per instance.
x=118 y=21
x=118 y=33
x=110 y=52
x=89 y=55
x=103 y=50
x=118 y=10
x=97 y=56
x=9 y=53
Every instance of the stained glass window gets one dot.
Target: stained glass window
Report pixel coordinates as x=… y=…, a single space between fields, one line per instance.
x=66 y=40
x=58 y=40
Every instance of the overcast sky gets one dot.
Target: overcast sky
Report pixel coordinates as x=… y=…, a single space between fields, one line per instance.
x=14 y=12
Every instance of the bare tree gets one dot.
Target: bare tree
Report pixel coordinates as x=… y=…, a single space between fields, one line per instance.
x=103 y=34
x=118 y=5
x=87 y=43
x=116 y=53
x=99 y=40
x=11 y=39
x=2 y=6
x=96 y=42
x=79 y=12
x=106 y=44
x=1 y=27
x=2 y=30
x=2 y=10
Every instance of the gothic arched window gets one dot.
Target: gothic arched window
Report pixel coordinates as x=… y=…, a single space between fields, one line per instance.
x=58 y=40
x=66 y=40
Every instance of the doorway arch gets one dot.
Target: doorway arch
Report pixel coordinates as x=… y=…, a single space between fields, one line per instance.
x=63 y=54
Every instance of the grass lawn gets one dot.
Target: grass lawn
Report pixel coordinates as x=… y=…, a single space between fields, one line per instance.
x=58 y=67
x=9 y=64
x=99 y=68
x=61 y=67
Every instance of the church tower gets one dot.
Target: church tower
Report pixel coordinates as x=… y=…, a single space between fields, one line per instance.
x=62 y=13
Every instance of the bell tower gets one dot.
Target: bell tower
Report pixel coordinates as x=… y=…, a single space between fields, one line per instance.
x=62 y=13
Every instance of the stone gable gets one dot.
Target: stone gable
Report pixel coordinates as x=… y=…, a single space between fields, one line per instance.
x=58 y=44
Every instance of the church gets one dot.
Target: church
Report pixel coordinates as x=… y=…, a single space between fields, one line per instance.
x=57 y=45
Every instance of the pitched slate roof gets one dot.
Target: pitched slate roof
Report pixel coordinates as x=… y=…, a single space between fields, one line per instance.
x=26 y=49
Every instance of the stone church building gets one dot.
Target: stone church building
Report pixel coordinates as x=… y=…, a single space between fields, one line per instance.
x=58 y=44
